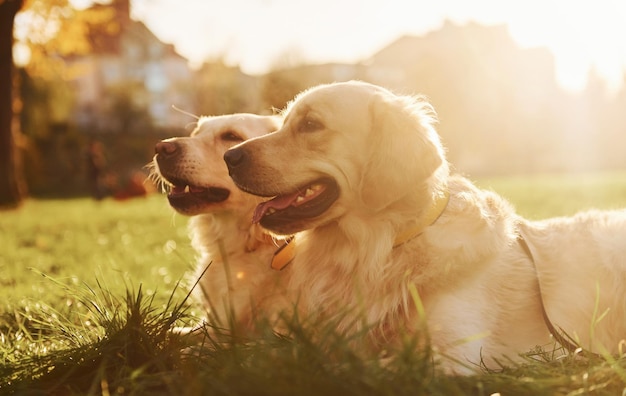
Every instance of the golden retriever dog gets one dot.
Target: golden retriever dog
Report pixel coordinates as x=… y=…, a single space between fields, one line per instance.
x=391 y=240
x=235 y=253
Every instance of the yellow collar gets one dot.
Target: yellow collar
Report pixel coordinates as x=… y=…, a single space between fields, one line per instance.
x=283 y=256
x=432 y=215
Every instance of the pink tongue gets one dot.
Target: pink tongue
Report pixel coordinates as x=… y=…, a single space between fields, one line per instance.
x=278 y=203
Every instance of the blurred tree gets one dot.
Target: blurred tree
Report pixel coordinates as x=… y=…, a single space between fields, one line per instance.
x=46 y=34
x=126 y=108
x=288 y=76
x=11 y=190
x=279 y=87
x=222 y=89
x=51 y=30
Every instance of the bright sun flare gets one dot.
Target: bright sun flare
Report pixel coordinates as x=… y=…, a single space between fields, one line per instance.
x=581 y=35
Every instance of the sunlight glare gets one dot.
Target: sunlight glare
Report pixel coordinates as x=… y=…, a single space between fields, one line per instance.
x=21 y=54
x=580 y=37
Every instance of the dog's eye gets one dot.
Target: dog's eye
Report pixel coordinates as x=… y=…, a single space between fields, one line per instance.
x=310 y=125
x=230 y=137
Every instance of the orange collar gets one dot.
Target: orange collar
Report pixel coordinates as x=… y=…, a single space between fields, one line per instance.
x=285 y=253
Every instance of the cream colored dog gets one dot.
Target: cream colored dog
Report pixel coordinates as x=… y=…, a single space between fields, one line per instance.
x=239 y=282
x=392 y=241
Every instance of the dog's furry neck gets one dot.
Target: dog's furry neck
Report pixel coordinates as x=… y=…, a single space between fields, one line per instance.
x=230 y=229
x=237 y=256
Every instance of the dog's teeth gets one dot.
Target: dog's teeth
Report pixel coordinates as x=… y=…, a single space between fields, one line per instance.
x=315 y=187
x=270 y=211
x=300 y=198
x=309 y=191
x=186 y=189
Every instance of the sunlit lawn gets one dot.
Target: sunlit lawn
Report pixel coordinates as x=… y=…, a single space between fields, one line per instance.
x=135 y=241
x=89 y=288
x=545 y=196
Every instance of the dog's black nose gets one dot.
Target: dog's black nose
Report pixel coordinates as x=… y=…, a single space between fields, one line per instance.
x=165 y=148
x=234 y=157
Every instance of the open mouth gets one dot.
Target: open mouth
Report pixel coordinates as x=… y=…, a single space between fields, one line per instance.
x=305 y=203
x=183 y=195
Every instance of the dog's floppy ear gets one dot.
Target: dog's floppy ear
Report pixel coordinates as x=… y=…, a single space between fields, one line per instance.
x=405 y=149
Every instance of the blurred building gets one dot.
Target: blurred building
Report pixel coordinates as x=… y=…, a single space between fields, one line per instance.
x=131 y=79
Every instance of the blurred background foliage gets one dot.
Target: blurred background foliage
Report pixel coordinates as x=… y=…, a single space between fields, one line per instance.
x=96 y=74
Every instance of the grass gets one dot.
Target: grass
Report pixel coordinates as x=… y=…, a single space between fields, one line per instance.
x=545 y=196
x=90 y=290
x=140 y=241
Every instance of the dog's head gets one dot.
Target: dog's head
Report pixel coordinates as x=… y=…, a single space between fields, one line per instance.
x=344 y=147
x=191 y=169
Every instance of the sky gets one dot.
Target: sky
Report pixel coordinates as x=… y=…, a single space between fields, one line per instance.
x=261 y=34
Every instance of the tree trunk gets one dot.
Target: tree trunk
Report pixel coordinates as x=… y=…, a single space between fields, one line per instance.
x=11 y=179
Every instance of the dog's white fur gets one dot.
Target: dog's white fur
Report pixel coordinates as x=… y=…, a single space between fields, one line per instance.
x=476 y=282
x=238 y=283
